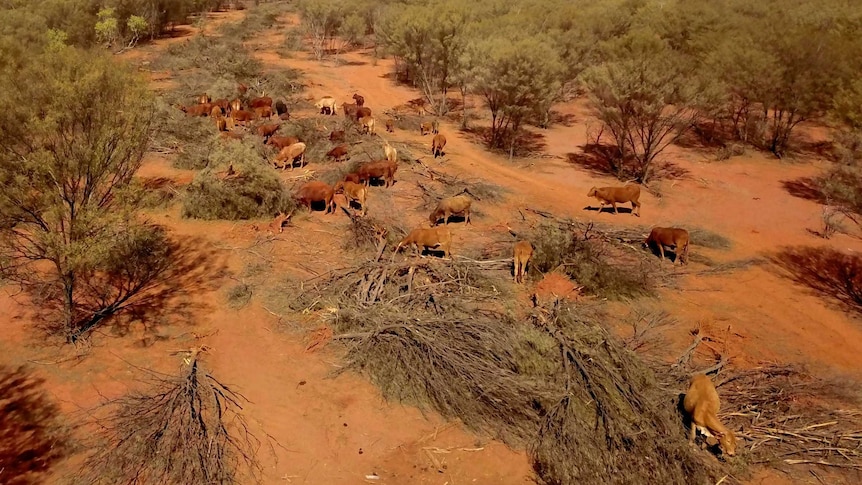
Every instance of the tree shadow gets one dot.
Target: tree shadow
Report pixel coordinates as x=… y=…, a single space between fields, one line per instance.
x=594 y=158
x=807 y=188
x=669 y=171
x=32 y=438
x=706 y=135
x=828 y=272
x=527 y=144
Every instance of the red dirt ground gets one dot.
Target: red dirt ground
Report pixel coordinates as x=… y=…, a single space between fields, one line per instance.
x=338 y=430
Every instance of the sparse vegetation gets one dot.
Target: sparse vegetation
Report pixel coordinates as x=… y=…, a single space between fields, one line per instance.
x=253 y=191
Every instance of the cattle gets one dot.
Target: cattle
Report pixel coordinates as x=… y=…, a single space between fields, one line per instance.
x=215 y=112
x=263 y=112
x=701 y=403
x=289 y=154
x=367 y=124
x=425 y=128
x=354 y=192
x=281 y=107
x=382 y=169
x=222 y=103
x=614 y=195
x=362 y=112
x=280 y=221
x=390 y=125
x=236 y=105
x=523 y=252
x=437 y=144
x=316 y=191
x=353 y=177
x=435 y=126
x=428 y=238
x=229 y=123
x=459 y=204
x=267 y=131
x=242 y=117
x=390 y=152
x=260 y=102
x=349 y=109
x=197 y=110
x=328 y=103
x=241 y=88
x=281 y=142
x=360 y=101
x=670 y=236
x=221 y=123
x=336 y=135
x=204 y=99
x=338 y=153
x=231 y=135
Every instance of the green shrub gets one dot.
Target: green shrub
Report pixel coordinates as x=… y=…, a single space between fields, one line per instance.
x=254 y=191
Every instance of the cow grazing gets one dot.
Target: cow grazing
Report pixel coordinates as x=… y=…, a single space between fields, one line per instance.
x=221 y=123
x=263 y=101
x=266 y=131
x=289 y=154
x=316 y=191
x=367 y=124
x=360 y=101
x=263 y=112
x=242 y=117
x=457 y=205
x=390 y=125
x=439 y=238
x=701 y=403
x=382 y=169
x=281 y=142
x=437 y=144
x=523 y=253
x=618 y=195
x=336 y=135
x=216 y=112
x=222 y=103
x=236 y=105
x=349 y=109
x=353 y=192
x=280 y=107
x=391 y=153
x=435 y=126
x=353 y=177
x=326 y=103
x=671 y=237
x=425 y=128
x=197 y=110
x=338 y=153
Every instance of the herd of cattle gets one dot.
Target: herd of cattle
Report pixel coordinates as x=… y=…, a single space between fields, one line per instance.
x=701 y=401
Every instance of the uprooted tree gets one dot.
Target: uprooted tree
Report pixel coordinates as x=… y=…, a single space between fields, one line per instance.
x=72 y=136
x=183 y=429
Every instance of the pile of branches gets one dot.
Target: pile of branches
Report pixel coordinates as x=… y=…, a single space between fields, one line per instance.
x=184 y=429
x=432 y=333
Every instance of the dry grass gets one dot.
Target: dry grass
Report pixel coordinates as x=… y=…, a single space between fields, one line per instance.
x=252 y=191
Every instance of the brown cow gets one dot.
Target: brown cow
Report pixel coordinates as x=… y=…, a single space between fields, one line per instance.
x=435 y=126
x=242 y=89
x=268 y=130
x=260 y=102
x=281 y=107
x=336 y=135
x=390 y=125
x=701 y=403
x=614 y=195
x=360 y=101
x=221 y=123
x=242 y=117
x=288 y=155
x=215 y=112
x=523 y=253
x=204 y=99
x=349 y=109
x=671 y=237
x=353 y=177
x=263 y=112
x=428 y=238
x=338 y=153
x=236 y=105
x=437 y=144
x=316 y=191
x=222 y=103
x=459 y=204
x=382 y=169
x=197 y=110
x=425 y=128
x=362 y=112
x=353 y=192
x=281 y=142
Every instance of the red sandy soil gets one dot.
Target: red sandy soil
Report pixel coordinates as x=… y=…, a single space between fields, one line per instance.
x=338 y=430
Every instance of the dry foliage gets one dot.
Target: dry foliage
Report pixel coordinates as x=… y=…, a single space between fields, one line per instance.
x=184 y=429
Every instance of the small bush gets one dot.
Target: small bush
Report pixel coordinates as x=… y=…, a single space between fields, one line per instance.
x=842 y=186
x=258 y=19
x=254 y=191
x=588 y=263
x=239 y=295
x=708 y=239
x=220 y=56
